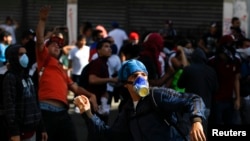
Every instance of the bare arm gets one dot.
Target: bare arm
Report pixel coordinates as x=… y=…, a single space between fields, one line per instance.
x=15 y=24
x=43 y=16
x=184 y=60
x=93 y=79
x=67 y=48
x=164 y=79
x=81 y=91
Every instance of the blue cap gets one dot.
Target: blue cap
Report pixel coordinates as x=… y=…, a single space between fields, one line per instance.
x=115 y=24
x=129 y=67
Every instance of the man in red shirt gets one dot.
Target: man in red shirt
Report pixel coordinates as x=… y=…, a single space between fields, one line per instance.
x=54 y=84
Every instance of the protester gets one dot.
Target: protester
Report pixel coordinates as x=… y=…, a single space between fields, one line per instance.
x=139 y=120
x=54 y=85
x=21 y=111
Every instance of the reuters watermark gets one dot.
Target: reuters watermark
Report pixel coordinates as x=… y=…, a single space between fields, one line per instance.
x=228 y=133
x=237 y=132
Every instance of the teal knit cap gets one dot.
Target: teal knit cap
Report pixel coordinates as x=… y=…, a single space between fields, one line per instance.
x=129 y=67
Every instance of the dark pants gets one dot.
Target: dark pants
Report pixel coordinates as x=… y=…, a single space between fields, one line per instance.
x=92 y=136
x=245 y=110
x=224 y=113
x=3 y=133
x=59 y=126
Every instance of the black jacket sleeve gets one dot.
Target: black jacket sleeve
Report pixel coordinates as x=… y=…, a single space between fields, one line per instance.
x=9 y=104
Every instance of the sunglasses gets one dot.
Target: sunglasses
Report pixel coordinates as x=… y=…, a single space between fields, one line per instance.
x=57 y=40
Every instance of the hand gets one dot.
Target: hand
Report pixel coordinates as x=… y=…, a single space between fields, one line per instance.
x=114 y=80
x=180 y=49
x=196 y=133
x=44 y=136
x=15 y=138
x=44 y=12
x=82 y=102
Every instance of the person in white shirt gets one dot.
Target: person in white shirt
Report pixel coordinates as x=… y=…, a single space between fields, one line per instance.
x=118 y=34
x=78 y=58
x=10 y=26
x=114 y=64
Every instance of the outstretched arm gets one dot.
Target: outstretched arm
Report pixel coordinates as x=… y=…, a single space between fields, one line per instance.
x=81 y=91
x=82 y=102
x=43 y=16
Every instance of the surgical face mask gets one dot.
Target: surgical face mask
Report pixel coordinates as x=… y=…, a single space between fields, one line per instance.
x=188 y=51
x=141 y=86
x=244 y=53
x=24 y=60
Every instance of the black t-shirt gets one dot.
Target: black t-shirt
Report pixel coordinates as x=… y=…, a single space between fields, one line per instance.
x=150 y=66
x=200 y=79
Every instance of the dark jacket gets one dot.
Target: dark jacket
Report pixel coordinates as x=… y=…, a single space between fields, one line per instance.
x=245 y=81
x=199 y=78
x=145 y=123
x=20 y=103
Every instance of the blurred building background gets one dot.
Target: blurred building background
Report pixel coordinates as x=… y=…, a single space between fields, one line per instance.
x=190 y=17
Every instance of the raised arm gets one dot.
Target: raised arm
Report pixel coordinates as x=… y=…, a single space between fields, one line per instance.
x=43 y=16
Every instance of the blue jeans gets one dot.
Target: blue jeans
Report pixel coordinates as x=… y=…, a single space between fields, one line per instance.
x=245 y=110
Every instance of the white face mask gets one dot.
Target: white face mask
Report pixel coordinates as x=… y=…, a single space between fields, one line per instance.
x=244 y=53
x=188 y=51
x=24 y=60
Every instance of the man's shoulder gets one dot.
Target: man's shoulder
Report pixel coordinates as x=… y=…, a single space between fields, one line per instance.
x=8 y=75
x=161 y=90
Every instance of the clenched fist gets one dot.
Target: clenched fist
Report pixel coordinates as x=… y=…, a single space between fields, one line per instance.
x=82 y=102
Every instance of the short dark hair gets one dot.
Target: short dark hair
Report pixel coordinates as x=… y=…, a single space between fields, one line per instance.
x=28 y=32
x=87 y=26
x=4 y=34
x=80 y=37
x=100 y=43
x=95 y=33
x=234 y=19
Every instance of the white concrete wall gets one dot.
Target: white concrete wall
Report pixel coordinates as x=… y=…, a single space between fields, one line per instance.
x=236 y=8
x=72 y=21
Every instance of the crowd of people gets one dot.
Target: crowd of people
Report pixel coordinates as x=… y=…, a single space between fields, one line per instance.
x=207 y=80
